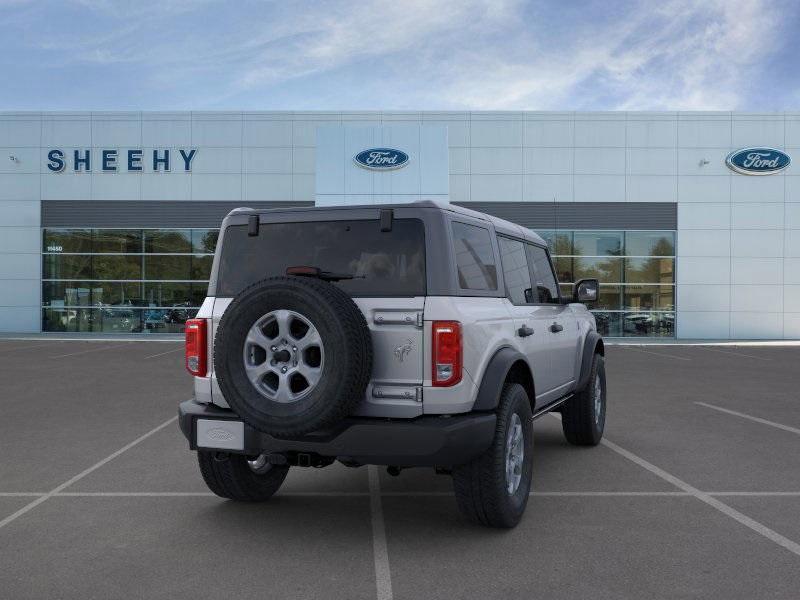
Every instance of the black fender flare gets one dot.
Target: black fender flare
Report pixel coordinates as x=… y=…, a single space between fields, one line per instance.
x=593 y=344
x=494 y=376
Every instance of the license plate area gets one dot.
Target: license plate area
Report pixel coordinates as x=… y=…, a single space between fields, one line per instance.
x=220 y=435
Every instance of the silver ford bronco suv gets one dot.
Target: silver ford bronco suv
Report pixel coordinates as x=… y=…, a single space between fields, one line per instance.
x=408 y=335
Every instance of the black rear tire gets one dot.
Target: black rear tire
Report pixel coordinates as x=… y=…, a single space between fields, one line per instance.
x=481 y=486
x=230 y=476
x=583 y=419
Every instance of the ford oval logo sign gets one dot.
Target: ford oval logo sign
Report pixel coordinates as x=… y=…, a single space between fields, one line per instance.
x=758 y=161
x=381 y=159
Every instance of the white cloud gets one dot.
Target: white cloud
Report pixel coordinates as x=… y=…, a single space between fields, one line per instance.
x=324 y=39
x=685 y=56
x=460 y=54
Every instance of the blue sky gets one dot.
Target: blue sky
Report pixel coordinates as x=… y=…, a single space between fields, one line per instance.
x=400 y=54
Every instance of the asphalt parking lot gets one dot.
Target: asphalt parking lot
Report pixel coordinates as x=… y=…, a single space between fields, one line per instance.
x=100 y=497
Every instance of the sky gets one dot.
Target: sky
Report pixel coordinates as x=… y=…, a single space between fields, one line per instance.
x=400 y=55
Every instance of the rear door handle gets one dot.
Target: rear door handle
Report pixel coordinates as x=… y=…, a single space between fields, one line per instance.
x=524 y=331
x=556 y=327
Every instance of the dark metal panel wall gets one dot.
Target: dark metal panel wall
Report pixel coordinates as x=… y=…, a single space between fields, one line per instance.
x=138 y=213
x=583 y=215
x=535 y=215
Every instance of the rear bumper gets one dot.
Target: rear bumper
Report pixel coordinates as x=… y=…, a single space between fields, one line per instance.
x=433 y=441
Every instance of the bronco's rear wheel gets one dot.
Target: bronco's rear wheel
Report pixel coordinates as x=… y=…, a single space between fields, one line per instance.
x=292 y=355
x=583 y=417
x=493 y=489
x=240 y=478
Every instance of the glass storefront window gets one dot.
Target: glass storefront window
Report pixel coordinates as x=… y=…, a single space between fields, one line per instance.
x=201 y=267
x=636 y=270
x=607 y=270
x=170 y=294
x=608 y=323
x=91 y=293
x=564 y=272
x=123 y=241
x=124 y=280
x=650 y=243
x=649 y=297
x=204 y=241
x=67 y=240
x=117 y=320
x=559 y=242
x=164 y=266
x=67 y=266
x=650 y=270
x=648 y=324
x=597 y=243
x=117 y=266
x=610 y=298
x=168 y=241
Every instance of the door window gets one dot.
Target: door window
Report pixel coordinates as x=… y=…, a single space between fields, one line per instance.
x=542 y=271
x=515 y=271
x=474 y=257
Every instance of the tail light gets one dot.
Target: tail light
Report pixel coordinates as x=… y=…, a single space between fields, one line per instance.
x=447 y=353
x=196 y=340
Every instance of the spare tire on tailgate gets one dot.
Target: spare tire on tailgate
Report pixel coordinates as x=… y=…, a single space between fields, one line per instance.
x=292 y=355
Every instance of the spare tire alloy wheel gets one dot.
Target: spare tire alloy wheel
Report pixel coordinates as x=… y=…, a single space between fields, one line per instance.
x=292 y=355
x=284 y=356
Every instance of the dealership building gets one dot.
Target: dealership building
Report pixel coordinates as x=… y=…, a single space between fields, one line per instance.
x=690 y=220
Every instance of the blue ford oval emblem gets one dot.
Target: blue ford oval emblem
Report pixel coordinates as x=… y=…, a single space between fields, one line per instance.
x=381 y=159
x=758 y=161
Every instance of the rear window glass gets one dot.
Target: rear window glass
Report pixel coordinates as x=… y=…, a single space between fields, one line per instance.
x=390 y=263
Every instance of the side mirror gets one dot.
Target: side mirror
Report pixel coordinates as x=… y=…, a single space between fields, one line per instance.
x=587 y=290
x=529 y=295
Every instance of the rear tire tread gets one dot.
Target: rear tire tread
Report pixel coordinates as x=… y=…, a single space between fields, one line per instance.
x=232 y=478
x=479 y=486
x=577 y=413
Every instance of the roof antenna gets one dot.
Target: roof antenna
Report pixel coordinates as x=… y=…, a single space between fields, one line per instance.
x=387 y=216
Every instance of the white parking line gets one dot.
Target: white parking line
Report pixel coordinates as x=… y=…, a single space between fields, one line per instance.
x=734 y=353
x=657 y=353
x=794 y=430
x=163 y=353
x=734 y=514
x=87 y=351
x=383 y=576
x=30 y=506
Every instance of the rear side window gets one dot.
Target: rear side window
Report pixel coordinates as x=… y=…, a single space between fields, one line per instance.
x=390 y=263
x=474 y=257
x=544 y=279
x=515 y=270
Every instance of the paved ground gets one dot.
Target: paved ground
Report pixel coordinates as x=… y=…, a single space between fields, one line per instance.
x=100 y=498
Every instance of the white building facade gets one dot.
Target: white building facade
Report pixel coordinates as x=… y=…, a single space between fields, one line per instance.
x=108 y=220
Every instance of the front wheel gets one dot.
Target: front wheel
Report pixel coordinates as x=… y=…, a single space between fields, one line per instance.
x=493 y=489
x=240 y=478
x=583 y=417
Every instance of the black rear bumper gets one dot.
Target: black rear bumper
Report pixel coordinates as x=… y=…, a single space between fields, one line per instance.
x=433 y=441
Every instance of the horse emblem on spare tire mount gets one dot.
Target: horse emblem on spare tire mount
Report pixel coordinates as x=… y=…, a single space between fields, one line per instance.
x=401 y=352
